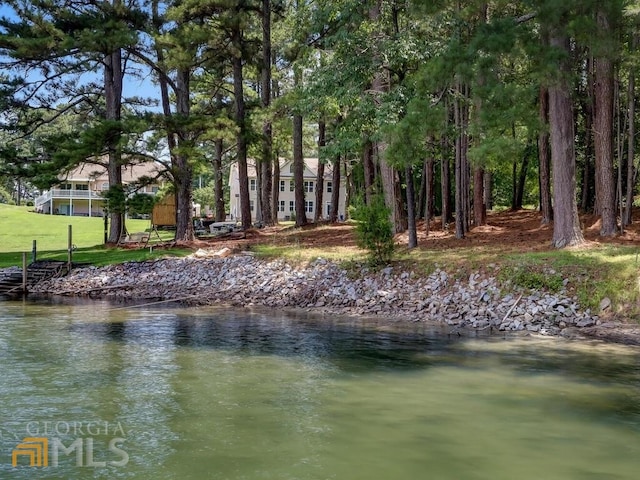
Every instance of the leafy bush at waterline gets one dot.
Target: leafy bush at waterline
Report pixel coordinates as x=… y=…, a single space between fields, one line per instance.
x=374 y=230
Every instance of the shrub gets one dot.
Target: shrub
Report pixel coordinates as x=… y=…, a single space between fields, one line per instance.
x=140 y=204
x=374 y=230
x=528 y=277
x=5 y=196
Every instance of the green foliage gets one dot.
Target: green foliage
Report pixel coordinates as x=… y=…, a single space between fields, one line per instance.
x=204 y=196
x=115 y=199
x=5 y=196
x=119 y=201
x=374 y=230
x=526 y=276
x=141 y=204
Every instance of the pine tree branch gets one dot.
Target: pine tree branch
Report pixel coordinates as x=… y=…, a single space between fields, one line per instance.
x=525 y=18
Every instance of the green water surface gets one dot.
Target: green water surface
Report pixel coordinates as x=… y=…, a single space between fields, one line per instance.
x=232 y=394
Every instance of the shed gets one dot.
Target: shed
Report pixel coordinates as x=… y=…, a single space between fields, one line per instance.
x=164 y=212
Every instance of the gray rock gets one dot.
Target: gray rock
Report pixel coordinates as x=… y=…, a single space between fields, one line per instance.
x=605 y=304
x=587 y=322
x=244 y=280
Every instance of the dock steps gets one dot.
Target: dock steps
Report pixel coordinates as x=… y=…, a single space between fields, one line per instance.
x=11 y=282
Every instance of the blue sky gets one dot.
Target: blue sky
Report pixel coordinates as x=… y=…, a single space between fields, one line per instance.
x=132 y=87
x=5 y=11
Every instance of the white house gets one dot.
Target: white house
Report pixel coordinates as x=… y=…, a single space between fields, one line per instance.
x=286 y=200
x=80 y=191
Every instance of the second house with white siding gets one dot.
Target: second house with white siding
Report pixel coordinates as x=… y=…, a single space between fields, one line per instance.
x=286 y=190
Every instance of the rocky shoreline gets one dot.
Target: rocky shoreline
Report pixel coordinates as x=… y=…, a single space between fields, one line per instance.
x=475 y=302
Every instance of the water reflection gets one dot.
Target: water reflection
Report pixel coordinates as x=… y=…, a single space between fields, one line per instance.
x=228 y=394
x=360 y=346
x=355 y=344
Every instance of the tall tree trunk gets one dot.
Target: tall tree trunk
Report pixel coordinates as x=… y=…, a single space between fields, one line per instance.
x=479 y=208
x=389 y=177
x=390 y=188
x=631 y=143
x=603 y=135
x=266 y=179
x=460 y=168
x=258 y=202
x=348 y=183
x=276 y=189
x=420 y=204
x=430 y=191
x=522 y=179
x=459 y=198
x=241 y=138
x=544 y=159
x=181 y=166
x=445 y=176
x=218 y=184
x=113 y=102
x=411 y=208
x=488 y=188
x=369 y=172
x=620 y=131
x=18 y=191
x=514 y=185
x=318 y=214
x=335 y=192
x=298 y=171
x=266 y=163
x=566 y=224
x=588 y=178
x=429 y=206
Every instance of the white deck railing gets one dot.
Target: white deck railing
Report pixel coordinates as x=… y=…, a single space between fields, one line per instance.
x=58 y=193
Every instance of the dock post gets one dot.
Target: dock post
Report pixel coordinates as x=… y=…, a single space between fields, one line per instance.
x=34 y=252
x=70 y=249
x=24 y=272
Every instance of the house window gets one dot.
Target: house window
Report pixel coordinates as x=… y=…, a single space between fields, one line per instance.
x=291 y=167
x=291 y=186
x=308 y=206
x=281 y=206
x=251 y=205
x=252 y=184
x=282 y=185
x=82 y=187
x=65 y=186
x=154 y=189
x=292 y=206
x=329 y=187
x=308 y=186
x=104 y=186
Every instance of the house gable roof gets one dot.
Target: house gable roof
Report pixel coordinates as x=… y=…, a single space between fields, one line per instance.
x=86 y=172
x=310 y=168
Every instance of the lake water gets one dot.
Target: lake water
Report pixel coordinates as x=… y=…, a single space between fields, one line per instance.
x=168 y=393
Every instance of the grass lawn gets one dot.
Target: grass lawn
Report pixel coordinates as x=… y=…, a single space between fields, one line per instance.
x=19 y=227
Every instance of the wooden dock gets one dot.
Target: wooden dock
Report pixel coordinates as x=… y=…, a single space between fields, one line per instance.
x=11 y=283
